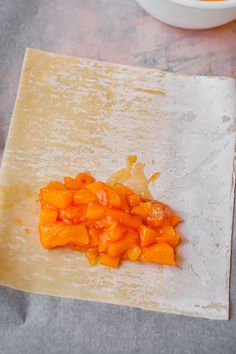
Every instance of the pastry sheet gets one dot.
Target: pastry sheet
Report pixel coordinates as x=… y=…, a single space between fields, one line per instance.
x=75 y=114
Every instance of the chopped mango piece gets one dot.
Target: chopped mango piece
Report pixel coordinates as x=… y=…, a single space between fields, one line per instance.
x=93 y=236
x=71 y=183
x=106 y=260
x=134 y=252
x=84 y=179
x=54 y=185
x=167 y=234
x=152 y=212
x=124 y=204
x=95 y=211
x=121 y=189
x=134 y=200
x=116 y=233
x=83 y=196
x=143 y=210
x=105 y=223
x=147 y=235
x=174 y=220
x=105 y=194
x=73 y=214
x=60 y=199
x=120 y=246
x=60 y=234
x=124 y=218
x=158 y=253
x=92 y=256
x=48 y=216
x=104 y=241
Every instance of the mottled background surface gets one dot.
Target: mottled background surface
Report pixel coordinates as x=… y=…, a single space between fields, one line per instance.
x=117 y=31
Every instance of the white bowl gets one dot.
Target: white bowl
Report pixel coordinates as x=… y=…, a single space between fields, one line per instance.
x=191 y=14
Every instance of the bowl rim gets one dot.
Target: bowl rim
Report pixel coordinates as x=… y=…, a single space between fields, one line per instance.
x=207 y=4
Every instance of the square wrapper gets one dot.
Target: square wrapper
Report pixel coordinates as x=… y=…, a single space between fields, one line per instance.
x=76 y=114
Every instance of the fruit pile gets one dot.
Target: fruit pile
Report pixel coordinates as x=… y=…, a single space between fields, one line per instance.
x=108 y=223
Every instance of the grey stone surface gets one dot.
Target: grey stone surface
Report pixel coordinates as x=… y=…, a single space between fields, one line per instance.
x=119 y=31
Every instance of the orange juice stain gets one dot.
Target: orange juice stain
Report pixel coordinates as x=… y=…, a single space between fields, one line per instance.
x=154 y=177
x=13 y=194
x=133 y=176
x=18 y=222
x=132 y=159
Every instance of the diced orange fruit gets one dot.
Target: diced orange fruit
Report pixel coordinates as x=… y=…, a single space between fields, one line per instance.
x=48 y=216
x=134 y=252
x=95 y=211
x=108 y=223
x=113 y=198
x=158 y=253
x=152 y=212
x=134 y=200
x=106 y=260
x=71 y=183
x=96 y=187
x=92 y=256
x=147 y=235
x=124 y=204
x=77 y=233
x=121 y=189
x=83 y=196
x=60 y=199
x=84 y=179
x=93 y=236
x=124 y=218
x=143 y=210
x=174 y=219
x=105 y=194
x=105 y=223
x=73 y=214
x=60 y=234
x=78 y=247
x=120 y=246
x=104 y=241
x=167 y=234
x=116 y=233
x=54 y=185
